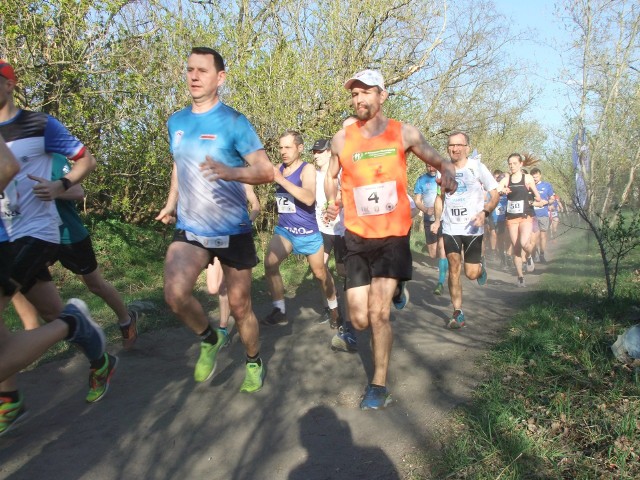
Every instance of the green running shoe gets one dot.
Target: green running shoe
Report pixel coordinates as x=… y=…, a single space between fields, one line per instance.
x=99 y=379
x=206 y=366
x=11 y=413
x=438 y=289
x=254 y=378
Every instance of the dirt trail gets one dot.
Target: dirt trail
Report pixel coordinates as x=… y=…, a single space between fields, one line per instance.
x=156 y=423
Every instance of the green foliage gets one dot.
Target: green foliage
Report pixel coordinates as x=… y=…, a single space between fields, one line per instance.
x=113 y=72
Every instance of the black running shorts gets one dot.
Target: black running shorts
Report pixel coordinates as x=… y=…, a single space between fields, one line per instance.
x=31 y=260
x=471 y=245
x=78 y=257
x=335 y=243
x=240 y=254
x=367 y=258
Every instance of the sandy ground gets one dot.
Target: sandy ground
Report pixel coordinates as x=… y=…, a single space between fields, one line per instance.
x=157 y=423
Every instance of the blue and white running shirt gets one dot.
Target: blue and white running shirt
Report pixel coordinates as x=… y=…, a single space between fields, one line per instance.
x=33 y=137
x=211 y=208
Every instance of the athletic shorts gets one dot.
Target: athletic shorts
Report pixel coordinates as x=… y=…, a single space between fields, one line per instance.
x=335 y=243
x=302 y=244
x=534 y=225
x=31 y=260
x=367 y=258
x=518 y=220
x=501 y=226
x=431 y=237
x=543 y=223
x=7 y=287
x=471 y=245
x=240 y=254
x=78 y=257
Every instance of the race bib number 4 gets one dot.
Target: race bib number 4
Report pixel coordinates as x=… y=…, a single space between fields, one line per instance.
x=376 y=199
x=515 y=207
x=285 y=203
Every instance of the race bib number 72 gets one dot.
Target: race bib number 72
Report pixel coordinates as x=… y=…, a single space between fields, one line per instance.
x=285 y=203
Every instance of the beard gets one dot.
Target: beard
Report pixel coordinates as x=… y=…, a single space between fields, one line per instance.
x=364 y=113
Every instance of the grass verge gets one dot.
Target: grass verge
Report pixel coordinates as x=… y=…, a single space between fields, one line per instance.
x=556 y=403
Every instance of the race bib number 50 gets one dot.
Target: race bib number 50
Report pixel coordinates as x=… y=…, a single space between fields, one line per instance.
x=376 y=199
x=515 y=207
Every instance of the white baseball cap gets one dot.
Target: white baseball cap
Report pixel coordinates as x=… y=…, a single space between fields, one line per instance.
x=371 y=78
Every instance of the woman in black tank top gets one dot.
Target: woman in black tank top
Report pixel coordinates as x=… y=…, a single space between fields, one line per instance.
x=517 y=186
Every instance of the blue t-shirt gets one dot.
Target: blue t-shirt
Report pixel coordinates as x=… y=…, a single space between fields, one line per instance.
x=500 y=212
x=211 y=208
x=427 y=187
x=3 y=233
x=546 y=192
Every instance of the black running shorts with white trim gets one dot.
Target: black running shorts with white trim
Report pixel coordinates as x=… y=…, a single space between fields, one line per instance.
x=471 y=245
x=367 y=258
x=240 y=254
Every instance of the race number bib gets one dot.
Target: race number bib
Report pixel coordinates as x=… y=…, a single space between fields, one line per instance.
x=285 y=203
x=515 y=207
x=459 y=215
x=209 y=242
x=376 y=199
x=9 y=205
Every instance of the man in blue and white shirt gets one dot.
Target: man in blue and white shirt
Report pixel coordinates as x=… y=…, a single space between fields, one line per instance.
x=215 y=150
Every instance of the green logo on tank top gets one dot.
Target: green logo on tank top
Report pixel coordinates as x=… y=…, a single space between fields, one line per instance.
x=383 y=152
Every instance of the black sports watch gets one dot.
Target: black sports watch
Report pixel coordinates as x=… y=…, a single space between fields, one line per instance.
x=66 y=183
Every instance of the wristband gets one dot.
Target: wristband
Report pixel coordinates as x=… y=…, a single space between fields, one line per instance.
x=66 y=183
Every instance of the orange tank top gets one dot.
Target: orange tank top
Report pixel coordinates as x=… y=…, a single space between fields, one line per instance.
x=374 y=183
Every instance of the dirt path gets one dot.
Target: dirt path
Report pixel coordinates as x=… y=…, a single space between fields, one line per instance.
x=156 y=423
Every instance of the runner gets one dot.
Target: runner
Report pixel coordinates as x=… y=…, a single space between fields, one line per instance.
x=426 y=190
x=555 y=209
x=541 y=210
x=333 y=240
x=211 y=143
x=77 y=255
x=372 y=155
x=297 y=230
x=29 y=241
x=517 y=186
x=500 y=217
x=463 y=215
x=216 y=284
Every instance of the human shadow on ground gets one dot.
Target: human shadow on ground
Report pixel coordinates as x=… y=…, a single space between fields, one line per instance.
x=326 y=438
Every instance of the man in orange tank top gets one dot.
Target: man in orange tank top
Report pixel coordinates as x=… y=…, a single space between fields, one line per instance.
x=372 y=156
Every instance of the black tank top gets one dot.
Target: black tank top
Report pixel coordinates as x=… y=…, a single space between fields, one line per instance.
x=518 y=205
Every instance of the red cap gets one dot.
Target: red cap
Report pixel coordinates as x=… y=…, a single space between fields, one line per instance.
x=7 y=72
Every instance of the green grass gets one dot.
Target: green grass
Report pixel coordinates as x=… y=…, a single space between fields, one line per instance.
x=131 y=257
x=556 y=403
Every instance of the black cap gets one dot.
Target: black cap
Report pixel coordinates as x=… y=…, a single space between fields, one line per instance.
x=321 y=145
